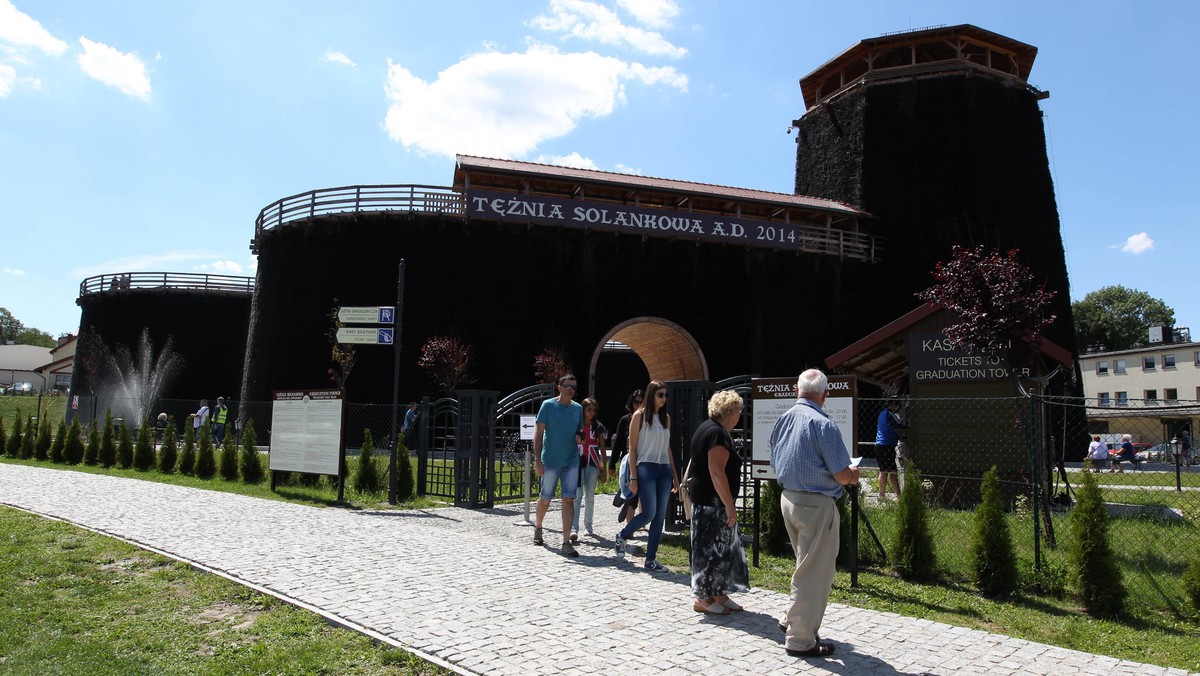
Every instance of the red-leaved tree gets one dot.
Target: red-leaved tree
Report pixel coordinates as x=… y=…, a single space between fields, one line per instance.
x=996 y=297
x=447 y=361
x=550 y=365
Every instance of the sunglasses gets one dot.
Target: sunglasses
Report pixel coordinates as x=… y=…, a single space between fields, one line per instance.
x=567 y=387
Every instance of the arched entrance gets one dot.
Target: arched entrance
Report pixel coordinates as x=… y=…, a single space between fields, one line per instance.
x=666 y=349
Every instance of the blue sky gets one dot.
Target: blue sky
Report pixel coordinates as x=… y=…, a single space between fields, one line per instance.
x=146 y=136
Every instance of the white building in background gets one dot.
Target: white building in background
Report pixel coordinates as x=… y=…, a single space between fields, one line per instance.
x=1154 y=390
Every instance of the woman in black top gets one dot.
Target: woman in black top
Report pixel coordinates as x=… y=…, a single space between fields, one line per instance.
x=620 y=442
x=718 y=559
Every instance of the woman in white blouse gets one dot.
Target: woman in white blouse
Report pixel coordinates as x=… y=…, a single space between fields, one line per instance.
x=652 y=471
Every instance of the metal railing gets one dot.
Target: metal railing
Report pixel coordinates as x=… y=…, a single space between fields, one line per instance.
x=125 y=281
x=358 y=198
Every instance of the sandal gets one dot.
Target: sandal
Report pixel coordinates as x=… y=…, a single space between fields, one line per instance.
x=732 y=605
x=713 y=609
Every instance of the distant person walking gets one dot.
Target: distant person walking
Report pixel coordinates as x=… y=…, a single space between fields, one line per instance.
x=652 y=472
x=886 y=438
x=220 y=415
x=592 y=467
x=620 y=440
x=556 y=457
x=812 y=465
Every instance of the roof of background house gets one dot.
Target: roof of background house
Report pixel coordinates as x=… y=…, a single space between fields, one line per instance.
x=22 y=357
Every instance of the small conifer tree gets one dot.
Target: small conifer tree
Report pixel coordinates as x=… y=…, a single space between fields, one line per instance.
x=125 y=447
x=251 y=463
x=12 y=445
x=366 y=479
x=73 y=447
x=1191 y=582
x=168 y=452
x=995 y=560
x=143 y=451
x=1092 y=562
x=912 y=552
x=3 y=437
x=229 y=459
x=108 y=442
x=405 y=483
x=772 y=531
x=187 y=459
x=91 y=452
x=206 y=459
x=29 y=440
x=41 y=447
x=60 y=443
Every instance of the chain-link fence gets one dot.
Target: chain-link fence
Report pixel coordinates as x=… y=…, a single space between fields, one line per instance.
x=1038 y=445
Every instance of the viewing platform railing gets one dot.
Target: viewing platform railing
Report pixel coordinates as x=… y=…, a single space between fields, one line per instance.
x=125 y=281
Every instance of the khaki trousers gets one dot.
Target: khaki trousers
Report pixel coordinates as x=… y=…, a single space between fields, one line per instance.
x=813 y=524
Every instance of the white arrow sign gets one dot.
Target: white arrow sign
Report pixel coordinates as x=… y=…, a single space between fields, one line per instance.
x=371 y=336
x=367 y=314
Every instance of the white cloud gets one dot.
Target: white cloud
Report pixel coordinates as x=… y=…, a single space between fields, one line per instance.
x=574 y=160
x=652 y=13
x=18 y=28
x=14 y=272
x=170 y=261
x=125 y=71
x=338 y=57
x=1139 y=243
x=504 y=104
x=223 y=267
x=624 y=169
x=8 y=76
x=593 y=22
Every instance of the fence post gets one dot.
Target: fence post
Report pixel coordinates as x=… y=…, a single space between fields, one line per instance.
x=1036 y=480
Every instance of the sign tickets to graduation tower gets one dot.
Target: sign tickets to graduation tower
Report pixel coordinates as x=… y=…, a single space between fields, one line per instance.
x=772 y=397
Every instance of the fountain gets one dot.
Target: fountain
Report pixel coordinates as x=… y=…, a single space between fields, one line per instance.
x=132 y=382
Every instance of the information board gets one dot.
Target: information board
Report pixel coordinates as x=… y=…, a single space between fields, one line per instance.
x=306 y=431
x=772 y=397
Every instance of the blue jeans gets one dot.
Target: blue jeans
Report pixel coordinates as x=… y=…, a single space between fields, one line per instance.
x=587 y=495
x=654 y=488
x=569 y=474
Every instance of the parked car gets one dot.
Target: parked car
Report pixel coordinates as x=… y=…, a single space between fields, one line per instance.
x=21 y=388
x=1159 y=453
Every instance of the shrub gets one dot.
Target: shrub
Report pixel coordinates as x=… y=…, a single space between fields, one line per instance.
x=310 y=480
x=91 y=452
x=3 y=437
x=229 y=459
x=143 y=451
x=405 y=484
x=992 y=553
x=1191 y=582
x=187 y=459
x=1092 y=563
x=125 y=448
x=12 y=445
x=366 y=479
x=252 y=469
x=60 y=443
x=41 y=448
x=206 y=460
x=73 y=448
x=107 y=455
x=845 y=555
x=168 y=452
x=912 y=552
x=772 y=531
x=30 y=439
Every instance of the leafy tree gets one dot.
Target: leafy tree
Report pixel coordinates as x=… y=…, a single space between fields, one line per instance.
x=143 y=451
x=12 y=445
x=108 y=444
x=995 y=297
x=125 y=448
x=447 y=361
x=550 y=365
x=29 y=440
x=1092 y=562
x=995 y=560
x=60 y=443
x=41 y=447
x=10 y=326
x=1118 y=318
x=168 y=453
x=366 y=480
x=229 y=459
x=206 y=459
x=187 y=459
x=35 y=337
x=252 y=468
x=405 y=484
x=73 y=450
x=91 y=452
x=912 y=552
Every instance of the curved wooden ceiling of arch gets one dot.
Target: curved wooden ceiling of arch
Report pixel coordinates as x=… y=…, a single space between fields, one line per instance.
x=668 y=352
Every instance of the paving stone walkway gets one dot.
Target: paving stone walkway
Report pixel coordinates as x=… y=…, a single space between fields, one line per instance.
x=467 y=589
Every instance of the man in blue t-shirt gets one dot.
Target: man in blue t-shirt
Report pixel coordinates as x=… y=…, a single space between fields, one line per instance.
x=556 y=457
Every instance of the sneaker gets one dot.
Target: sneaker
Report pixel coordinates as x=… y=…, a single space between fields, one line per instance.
x=569 y=549
x=655 y=567
x=574 y=536
x=589 y=530
x=620 y=545
x=537 y=536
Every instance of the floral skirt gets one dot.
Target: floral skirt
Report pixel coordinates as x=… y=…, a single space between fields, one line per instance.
x=718 y=560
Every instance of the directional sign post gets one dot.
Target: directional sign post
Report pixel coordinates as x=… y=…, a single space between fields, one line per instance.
x=367 y=314
x=371 y=336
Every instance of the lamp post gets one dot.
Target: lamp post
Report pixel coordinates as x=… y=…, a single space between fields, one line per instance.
x=1175 y=452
